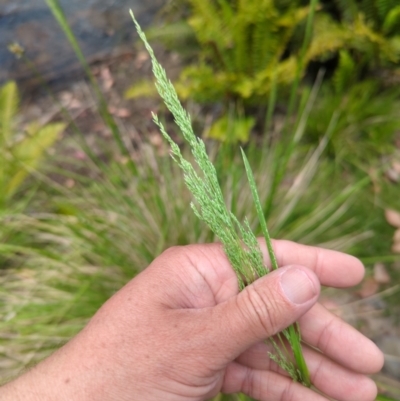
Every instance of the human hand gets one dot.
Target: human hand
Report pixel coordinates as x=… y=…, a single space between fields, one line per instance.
x=180 y=331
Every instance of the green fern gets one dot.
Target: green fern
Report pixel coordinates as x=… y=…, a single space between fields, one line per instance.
x=242 y=38
x=375 y=11
x=383 y=7
x=346 y=72
x=245 y=48
x=392 y=21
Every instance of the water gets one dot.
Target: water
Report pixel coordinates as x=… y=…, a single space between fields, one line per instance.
x=103 y=28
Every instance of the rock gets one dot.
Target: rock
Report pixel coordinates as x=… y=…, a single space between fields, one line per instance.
x=103 y=28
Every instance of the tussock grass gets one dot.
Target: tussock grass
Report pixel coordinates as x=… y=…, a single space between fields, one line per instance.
x=105 y=230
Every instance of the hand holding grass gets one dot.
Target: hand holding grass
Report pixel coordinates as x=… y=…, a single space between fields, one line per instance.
x=238 y=240
x=182 y=331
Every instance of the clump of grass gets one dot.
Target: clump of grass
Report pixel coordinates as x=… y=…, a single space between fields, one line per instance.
x=67 y=250
x=240 y=243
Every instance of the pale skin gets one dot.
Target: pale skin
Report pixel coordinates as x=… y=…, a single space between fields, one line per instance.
x=180 y=331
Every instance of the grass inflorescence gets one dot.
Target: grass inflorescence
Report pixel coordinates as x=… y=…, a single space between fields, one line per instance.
x=239 y=242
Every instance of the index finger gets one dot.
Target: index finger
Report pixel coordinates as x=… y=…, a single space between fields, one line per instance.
x=333 y=268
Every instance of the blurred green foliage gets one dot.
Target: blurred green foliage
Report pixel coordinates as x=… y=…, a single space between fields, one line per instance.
x=20 y=152
x=244 y=44
x=241 y=50
x=368 y=121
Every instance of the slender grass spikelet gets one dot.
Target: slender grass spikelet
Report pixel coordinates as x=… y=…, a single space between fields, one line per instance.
x=239 y=242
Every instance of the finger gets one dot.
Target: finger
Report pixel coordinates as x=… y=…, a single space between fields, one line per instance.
x=215 y=272
x=193 y=276
x=262 y=309
x=334 y=269
x=265 y=385
x=336 y=381
x=336 y=339
x=340 y=341
x=330 y=378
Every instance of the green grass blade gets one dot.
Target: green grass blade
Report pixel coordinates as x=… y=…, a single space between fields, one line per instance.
x=287 y=149
x=295 y=343
x=260 y=213
x=306 y=42
x=108 y=119
x=292 y=333
x=381 y=397
x=59 y=15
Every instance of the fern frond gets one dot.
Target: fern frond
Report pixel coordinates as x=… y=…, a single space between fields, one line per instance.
x=382 y=7
x=328 y=38
x=391 y=23
x=345 y=72
x=370 y=12
x=347 y=8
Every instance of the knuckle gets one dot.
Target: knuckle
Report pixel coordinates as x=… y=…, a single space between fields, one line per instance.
x=262 y=310
x=183 y=252
x=250 y=384
x=318 y=262
x=177 y=254
x=327 y=334
x=174 y=251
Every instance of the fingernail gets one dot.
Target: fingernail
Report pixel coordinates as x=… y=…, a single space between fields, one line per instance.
x=297 y=286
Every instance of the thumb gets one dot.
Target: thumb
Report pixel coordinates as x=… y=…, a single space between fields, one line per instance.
x=264 y=308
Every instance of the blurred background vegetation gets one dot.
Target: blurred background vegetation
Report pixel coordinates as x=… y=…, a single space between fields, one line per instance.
x=89 y=195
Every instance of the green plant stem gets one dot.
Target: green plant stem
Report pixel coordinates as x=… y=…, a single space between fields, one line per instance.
x=287 y=149
x=304 y=47
x=59 y=15
x=240 y=243
x=292 y=333
x=260 y=213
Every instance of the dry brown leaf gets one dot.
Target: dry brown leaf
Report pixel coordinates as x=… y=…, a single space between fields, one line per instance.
x=392 y=217
x=156 y=139
x=393 y=175
x=393 y=172
x=396 y=236
x=396 y=247
x=141 y=58
x=396 y=166
x=70 y=102
x=124 y=160
x=123 y=113
x=69 y=183
x=108 y=80
x=80 y=155
x=119 y=112
x=381 y=276
x=369 y=287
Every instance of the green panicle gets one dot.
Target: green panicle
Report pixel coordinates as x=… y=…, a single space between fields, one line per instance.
x=240 y=244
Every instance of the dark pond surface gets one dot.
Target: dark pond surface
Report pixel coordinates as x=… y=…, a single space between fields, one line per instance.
x=103 y=28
